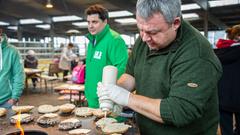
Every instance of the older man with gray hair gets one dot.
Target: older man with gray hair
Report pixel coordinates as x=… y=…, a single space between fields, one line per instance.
x=174 y=71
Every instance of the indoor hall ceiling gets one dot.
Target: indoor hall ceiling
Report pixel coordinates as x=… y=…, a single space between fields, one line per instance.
x=13 y=10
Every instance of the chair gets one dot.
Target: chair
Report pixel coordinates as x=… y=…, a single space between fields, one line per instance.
x=52 y=69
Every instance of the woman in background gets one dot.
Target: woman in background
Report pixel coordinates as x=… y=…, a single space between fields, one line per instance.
x=229 y=87
x=66 y=57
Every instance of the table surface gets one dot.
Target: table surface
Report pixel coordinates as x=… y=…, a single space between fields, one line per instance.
x=88 y=123
x=68 y=86
x=32 y=71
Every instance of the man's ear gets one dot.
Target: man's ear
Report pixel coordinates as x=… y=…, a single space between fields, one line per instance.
x=176 y=23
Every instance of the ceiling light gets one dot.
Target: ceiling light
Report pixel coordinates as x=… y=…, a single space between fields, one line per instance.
x=73 y=31
x=126 y=21
x=49 y=4
x=119 y=13
x=81 y=24
x=3 y=23
x=12 y=27
x=44 y=26
x=66 y=18
x=218 y=3
x=29 y=21
x=190 y=7
x=191 y=16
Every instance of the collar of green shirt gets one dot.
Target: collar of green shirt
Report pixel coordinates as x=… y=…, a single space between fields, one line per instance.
x=94 y=39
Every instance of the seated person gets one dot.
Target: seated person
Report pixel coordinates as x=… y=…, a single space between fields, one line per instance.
x=31 y=61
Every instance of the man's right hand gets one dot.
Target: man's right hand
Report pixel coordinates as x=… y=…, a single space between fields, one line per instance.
x=104 y=101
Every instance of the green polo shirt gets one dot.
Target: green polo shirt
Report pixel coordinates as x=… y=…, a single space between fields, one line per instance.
x=105 y=48
x=184 y=75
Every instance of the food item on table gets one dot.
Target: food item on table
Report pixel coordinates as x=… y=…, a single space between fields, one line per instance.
x=68 y=124
x=79 y=131
x=22 y=109
x=23 y=118
x=83 y=112
x=118 y=128
x=68 y=92
x=47 y=109
x=3 y=111
x=99 y=113
x=104 y=121
x=66 y=108
x=48 y=119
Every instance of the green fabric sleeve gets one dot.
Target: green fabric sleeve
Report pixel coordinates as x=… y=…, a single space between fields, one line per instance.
x=190 y=91
x=18 y=76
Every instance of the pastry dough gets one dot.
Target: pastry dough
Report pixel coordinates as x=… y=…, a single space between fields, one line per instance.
x=48 y=119
x=48 y=109
x=104 y=121
x=66 y=108
x=79 y=131
x=23 y=118
x=68 y=124
x=99 y=113
x=22 y=109
x=83 y=112
x=3 y=111
x=119 y=128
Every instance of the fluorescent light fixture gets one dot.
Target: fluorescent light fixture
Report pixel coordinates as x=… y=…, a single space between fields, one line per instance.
x=119 y=13
x=81 y=24
x=66 y=18
x=191 y=16
x=30 y=21
x=49 y=4
x=126 y=21
x=12 y=27
x=219 y=3
x=190 y=7
x=44 y=26
x=3 y=23
x=73 y=31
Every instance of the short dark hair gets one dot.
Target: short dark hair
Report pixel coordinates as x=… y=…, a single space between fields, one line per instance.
x=97 y=9
x=70 y=45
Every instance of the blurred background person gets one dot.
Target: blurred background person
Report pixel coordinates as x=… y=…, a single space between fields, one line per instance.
x=31 y=61
x=229 y=87
x=67 y=56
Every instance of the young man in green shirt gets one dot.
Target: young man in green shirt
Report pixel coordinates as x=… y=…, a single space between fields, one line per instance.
x=174 y=71
x=105 y=47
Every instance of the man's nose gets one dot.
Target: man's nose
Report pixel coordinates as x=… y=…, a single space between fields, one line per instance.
x=145 y=37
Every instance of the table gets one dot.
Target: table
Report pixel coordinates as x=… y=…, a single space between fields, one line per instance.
x=71 y=86
x=30 y=73
x=88 y=122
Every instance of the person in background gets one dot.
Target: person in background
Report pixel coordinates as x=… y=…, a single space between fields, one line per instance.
x=65 y=60
x=12 y=74
x=174 y=71
x=106 y=47
x=229 y=87
x=78 y=72
x=31 y=61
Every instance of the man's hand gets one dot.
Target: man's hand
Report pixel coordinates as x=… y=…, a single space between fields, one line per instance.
x=12 y=101
x=113 y=92
x=104 y=101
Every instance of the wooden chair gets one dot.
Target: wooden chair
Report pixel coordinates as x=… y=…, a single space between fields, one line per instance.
x=50 y=77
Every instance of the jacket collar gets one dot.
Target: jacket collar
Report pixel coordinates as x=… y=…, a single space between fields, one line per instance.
x=94 y=39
